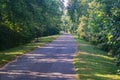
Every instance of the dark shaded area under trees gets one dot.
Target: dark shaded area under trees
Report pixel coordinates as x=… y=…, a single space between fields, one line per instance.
x=23 y=20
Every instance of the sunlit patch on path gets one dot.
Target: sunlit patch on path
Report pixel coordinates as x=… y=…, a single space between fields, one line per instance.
x=54 y=61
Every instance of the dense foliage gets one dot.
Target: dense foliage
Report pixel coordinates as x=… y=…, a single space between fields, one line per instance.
x=98 y=21
x=23 y=20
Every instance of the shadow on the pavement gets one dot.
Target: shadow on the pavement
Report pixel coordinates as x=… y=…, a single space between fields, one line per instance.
x=54 y=61
x=16 y=70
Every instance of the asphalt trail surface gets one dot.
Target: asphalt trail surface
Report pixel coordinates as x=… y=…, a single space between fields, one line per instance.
x=54 y=61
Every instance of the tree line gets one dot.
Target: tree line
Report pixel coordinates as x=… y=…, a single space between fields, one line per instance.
x=23 y=20
x=97 y=21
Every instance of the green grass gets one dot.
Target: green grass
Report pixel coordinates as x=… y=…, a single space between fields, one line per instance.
x=93 y=64
x=9 y=55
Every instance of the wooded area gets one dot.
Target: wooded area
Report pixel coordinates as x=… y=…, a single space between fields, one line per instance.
x=97 y=21
x=23 y=20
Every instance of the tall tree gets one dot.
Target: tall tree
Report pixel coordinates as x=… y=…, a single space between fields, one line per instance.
x=98 y=22
x=21 y=21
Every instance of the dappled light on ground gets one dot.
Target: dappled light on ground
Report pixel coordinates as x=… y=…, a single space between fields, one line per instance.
x=54 y=61
x=93 y=64
x=109 y=76
x=53 y=75
x=11 y=54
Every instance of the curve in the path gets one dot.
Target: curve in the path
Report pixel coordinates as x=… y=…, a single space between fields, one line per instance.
x=54 y=61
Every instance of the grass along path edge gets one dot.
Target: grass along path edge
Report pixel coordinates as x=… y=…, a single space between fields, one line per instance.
x=11 y=54
x=92 y=63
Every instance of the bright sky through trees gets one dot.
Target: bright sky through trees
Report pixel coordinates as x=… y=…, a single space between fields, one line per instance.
x=65 y=2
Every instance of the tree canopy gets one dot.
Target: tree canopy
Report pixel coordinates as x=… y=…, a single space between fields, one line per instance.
x=98 y=21
x=23 y=20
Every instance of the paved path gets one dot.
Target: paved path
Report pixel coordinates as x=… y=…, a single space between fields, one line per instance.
x=54 y=61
